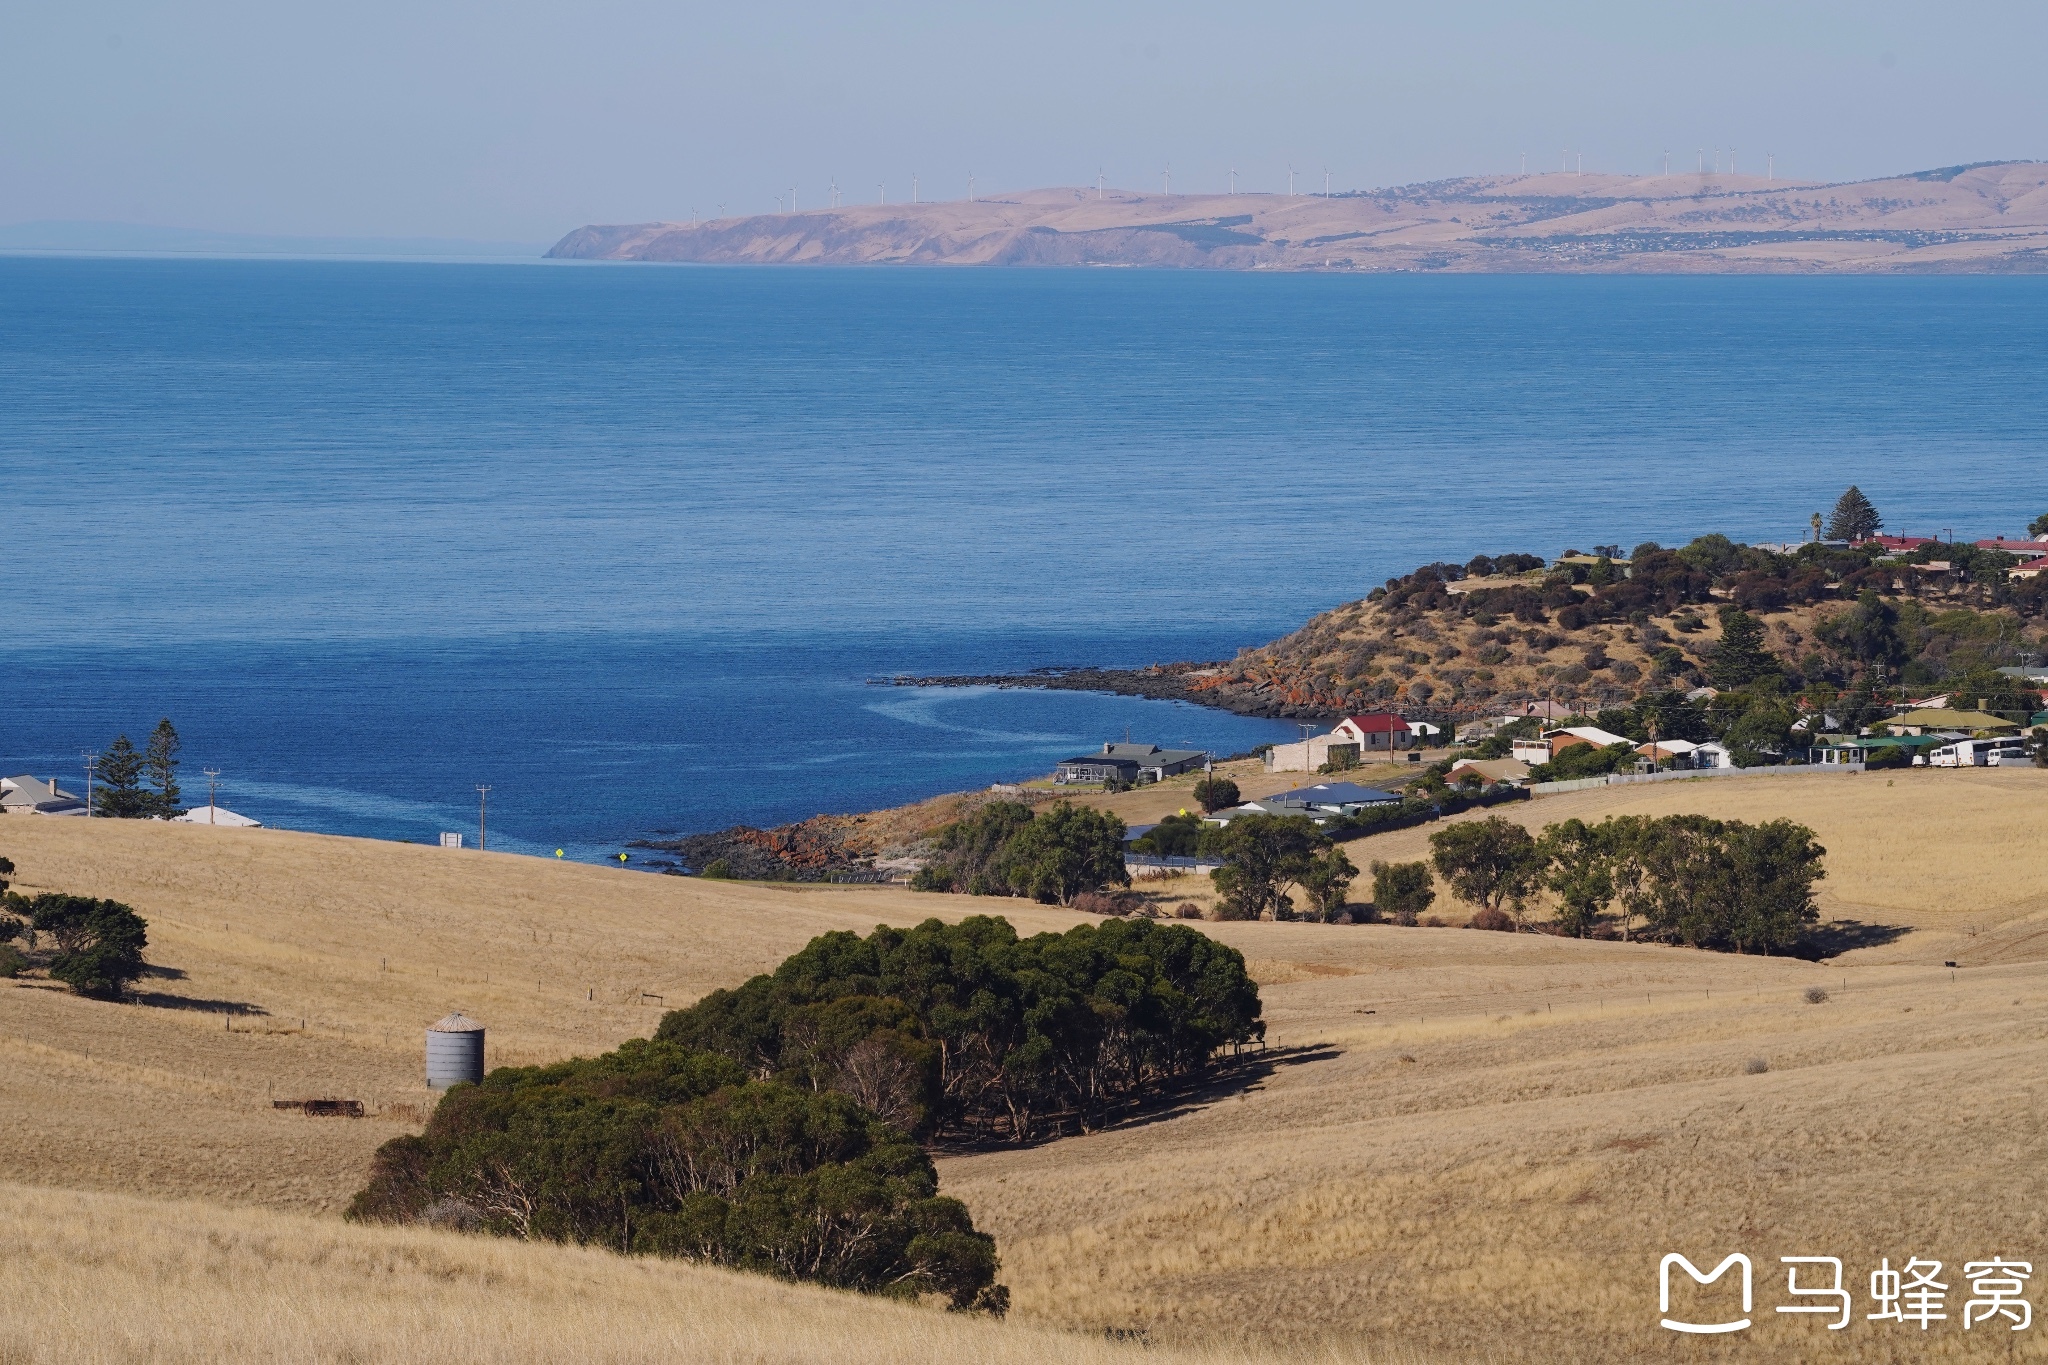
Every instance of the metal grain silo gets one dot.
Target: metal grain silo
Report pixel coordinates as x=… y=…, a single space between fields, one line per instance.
x=455 y=1051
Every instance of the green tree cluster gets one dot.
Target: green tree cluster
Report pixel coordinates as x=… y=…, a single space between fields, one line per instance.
x=1176 y=836
x=1216 y=793
x=1007 y=849
x=99 y=942
x=120 y=793
x=658 y=1148
x=1402 y=892
x=967 y=1029
x=1706 y=883
x=1264 y=856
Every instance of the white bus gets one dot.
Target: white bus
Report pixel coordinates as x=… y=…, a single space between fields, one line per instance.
x=1978 y=753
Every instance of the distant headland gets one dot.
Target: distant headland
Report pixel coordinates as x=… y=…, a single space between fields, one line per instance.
x=1989 y=218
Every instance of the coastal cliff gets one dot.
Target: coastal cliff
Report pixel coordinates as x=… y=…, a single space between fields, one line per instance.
x=1984 y=218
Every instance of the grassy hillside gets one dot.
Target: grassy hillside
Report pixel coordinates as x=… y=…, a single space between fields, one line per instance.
x=197 y=1283
x=1479 y=1141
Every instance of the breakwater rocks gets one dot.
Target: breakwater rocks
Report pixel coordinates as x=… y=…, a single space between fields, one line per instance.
x=1220 y=685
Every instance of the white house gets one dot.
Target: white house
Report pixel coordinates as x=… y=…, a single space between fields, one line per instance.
x=1359 y=738
x=1712 y=755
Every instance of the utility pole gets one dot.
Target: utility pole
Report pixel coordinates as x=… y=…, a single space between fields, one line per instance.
x=483 y=810
x=212 y=784
x=92 y=762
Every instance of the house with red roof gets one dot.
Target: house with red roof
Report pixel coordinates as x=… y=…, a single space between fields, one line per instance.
x=1354 y=739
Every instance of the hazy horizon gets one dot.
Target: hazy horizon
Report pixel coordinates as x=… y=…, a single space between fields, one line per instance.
x=519 y=125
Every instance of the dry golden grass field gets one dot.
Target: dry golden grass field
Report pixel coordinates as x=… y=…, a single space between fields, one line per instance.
x=1467 y=1146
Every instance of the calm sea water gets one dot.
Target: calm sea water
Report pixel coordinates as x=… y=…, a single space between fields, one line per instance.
x=625 y=542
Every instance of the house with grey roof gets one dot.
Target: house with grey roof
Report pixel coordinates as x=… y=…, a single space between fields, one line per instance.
x=1132 y=763
x=27 y=795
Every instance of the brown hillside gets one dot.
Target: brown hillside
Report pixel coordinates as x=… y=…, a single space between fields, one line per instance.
x=1990 y=217
x=1461 y=1130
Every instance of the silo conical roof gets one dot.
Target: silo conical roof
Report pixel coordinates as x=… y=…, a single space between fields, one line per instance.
x=457 y=1022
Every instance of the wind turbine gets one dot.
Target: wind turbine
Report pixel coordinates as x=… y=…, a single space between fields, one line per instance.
x=970 y=187
x=1326 y=182
x=1667 y=161
x=913 y=187
x=721 y=210
x=1731 y=161
x=1290 y=180
x=1525 y=163
x=1098 y=182
x=1582 y=163
x=792 y=199
x=1166 y=179
x=833 y=190
x=693 y=215
x=1703 y=161
x=1233 y=180
x=883 y=186
x=1770 y=167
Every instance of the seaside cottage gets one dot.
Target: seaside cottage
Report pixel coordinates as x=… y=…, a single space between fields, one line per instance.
x=1354 y=739
x=27 y=795
x=1133 y=763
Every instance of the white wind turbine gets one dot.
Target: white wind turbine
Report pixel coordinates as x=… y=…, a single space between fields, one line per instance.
x=1233 y=180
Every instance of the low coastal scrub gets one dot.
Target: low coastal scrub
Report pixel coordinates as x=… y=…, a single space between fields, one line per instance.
x=662 y=1149
x=965 y=1030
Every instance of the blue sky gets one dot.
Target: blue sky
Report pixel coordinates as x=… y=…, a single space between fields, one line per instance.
x=520 y=120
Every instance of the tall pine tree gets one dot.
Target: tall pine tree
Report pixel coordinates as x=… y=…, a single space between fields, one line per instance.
x=160 y=765
x=1854 y=518
x=118 y=794
x=1741 y=657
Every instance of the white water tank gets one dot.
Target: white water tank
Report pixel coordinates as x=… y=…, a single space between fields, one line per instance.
x=455 y=1051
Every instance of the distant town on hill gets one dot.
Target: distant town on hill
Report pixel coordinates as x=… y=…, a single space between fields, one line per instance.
x=1985 y=218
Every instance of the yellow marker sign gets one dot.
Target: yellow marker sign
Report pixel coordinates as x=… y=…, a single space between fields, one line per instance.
x=1183 y=810
x=622 y=857
x=558 y=853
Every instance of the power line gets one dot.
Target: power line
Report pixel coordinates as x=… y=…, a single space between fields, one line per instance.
x=483 y=810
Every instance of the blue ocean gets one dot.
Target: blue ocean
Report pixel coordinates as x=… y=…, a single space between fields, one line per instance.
x=626 y=543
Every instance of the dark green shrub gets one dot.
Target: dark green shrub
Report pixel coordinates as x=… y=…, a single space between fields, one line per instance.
x=970 y=1029
x=99 y=942
x=660 y=1149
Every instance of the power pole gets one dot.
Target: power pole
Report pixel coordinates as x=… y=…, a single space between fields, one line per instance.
x=92 y=762
x=212 y=783
x=483 y=810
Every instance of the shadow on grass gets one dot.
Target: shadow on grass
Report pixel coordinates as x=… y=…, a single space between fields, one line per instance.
x=1847 y=935
x=160 y=1001
x=1225 y=1077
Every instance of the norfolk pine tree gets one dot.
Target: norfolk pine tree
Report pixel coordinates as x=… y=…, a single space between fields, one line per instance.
x=160 y=765
x=1854 y=518
x=119 y=795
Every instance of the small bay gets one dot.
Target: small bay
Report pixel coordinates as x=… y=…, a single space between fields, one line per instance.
x=626 y=543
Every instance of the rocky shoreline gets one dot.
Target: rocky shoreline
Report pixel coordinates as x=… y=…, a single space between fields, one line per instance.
x=1204 y=684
